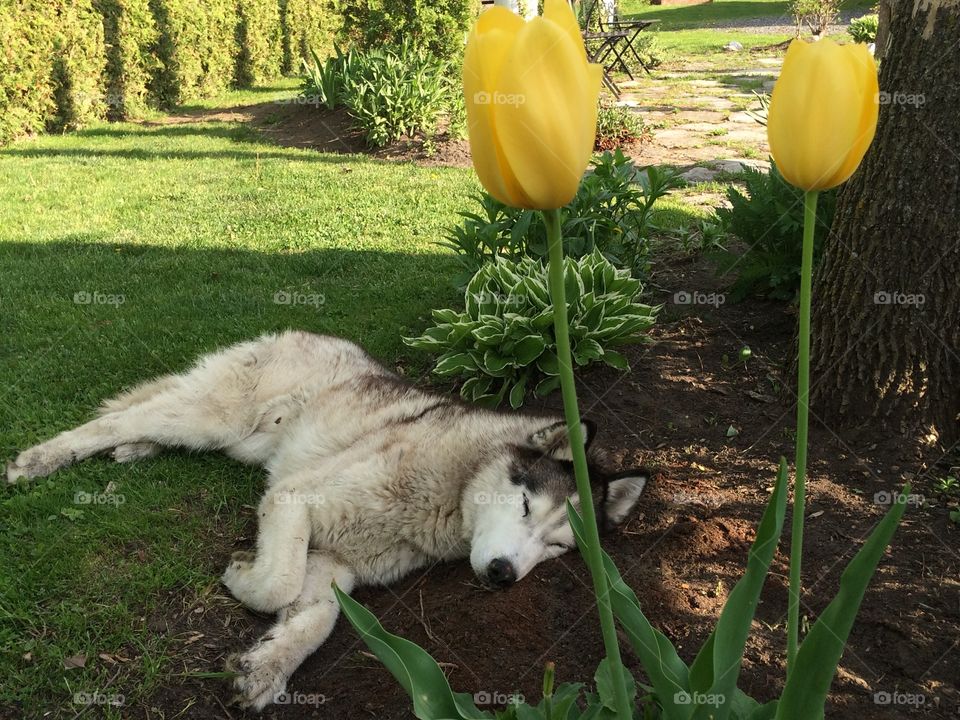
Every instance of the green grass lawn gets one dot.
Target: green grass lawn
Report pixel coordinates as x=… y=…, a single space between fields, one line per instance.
x=182 y=235
x=690 y=31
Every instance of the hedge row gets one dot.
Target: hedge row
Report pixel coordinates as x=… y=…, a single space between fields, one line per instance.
x=64 y=63
x=437 y=25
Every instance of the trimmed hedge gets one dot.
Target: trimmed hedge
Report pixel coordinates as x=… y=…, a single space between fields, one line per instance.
x=196 y=48
x=79 y=61
x=130 y=34
x=26 y=45
x=306 y=25
x=260 y=53
x=52 y=59
x=439 y=26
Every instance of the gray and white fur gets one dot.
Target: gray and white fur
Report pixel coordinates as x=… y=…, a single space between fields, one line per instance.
x=369 y=478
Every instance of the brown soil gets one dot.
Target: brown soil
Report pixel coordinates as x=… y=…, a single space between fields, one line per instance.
x=682 y=551
x=292 y=124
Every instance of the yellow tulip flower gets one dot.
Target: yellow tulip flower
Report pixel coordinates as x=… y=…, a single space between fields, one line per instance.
x=823 y=112
x=531 y=101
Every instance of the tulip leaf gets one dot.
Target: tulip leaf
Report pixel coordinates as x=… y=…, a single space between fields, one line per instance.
x=816 y=663
x=714 y=672
x=411 y=665
x=666 y=671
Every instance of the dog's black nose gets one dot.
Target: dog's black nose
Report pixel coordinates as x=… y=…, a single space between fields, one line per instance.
x=501 y=573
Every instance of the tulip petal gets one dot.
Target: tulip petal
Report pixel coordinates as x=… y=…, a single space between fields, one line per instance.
x=487 y=49
x=560 y=12
x=821 y=117
x=547 y=136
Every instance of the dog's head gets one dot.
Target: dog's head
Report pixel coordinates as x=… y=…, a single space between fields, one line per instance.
x=519 y=511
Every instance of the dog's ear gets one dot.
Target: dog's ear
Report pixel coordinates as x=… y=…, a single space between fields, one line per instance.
x=554 y=441
x=622 y=490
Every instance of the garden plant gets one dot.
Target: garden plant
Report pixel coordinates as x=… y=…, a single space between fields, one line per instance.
x=545 y=154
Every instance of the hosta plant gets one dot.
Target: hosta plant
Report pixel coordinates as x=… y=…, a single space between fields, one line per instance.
x=503 y=343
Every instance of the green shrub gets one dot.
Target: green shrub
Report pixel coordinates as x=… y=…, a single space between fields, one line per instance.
x=259 y=46
x=864 y=29
x=618 y=126
x=503 y=344
x=439 y=27
x=196 y=48
x=611 y=213
x=129 y=34
x=768 y=217
x=78 y=63
x=307 y=25
x=27 y=37
x=396 y=92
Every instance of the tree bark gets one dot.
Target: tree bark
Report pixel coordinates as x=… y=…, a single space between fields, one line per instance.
x=886 y=323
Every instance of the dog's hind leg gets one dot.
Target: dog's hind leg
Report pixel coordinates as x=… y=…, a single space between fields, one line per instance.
x=274 y=577
x=301 y=628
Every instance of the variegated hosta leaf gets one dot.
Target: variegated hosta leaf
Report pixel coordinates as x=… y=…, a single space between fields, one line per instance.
x=503 y=344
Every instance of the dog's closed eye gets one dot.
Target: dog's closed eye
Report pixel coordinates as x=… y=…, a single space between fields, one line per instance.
x=526 y=505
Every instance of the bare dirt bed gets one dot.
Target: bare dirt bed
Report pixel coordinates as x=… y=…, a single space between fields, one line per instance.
x=682 y=551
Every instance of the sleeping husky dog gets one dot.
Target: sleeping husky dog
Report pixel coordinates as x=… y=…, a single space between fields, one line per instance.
x=369 y=479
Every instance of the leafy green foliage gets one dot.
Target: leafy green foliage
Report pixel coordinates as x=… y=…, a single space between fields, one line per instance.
x=259 y=50
x=611 y=212
x=396 y=92
x=79 y=58
x=196 y=49
x=864 y=29
x=439 y=27
x=325 y=81
x=129 y=33
x=618 y=126
x=390 y=93
x=305 y=26
x=768 y=218
x=504 y=343
x=52 y=58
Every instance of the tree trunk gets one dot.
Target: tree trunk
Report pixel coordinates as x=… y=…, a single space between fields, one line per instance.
x=886 y=323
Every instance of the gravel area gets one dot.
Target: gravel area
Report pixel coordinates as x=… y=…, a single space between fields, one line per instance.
x=777 y=24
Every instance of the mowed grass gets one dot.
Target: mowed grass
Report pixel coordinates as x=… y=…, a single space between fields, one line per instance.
x=699 y=32
x=125 y=252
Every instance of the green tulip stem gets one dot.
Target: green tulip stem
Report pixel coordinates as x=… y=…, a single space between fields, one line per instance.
x=803 y=413
x=568 y=388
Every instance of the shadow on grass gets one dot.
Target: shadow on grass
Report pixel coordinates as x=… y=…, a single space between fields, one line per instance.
x=132 y=311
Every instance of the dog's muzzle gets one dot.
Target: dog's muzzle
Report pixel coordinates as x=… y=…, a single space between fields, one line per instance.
x=501 y=573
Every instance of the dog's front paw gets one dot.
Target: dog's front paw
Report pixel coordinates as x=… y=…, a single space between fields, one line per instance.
x=260 y=679
x=32 y=463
